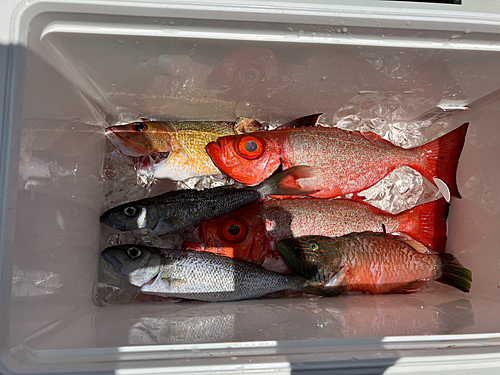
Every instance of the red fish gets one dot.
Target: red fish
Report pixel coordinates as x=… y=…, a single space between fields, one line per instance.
x=371 y=262
x=349 y=162
x=251 y=233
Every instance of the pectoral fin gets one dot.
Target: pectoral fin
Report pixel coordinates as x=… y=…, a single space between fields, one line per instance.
x=336 y=285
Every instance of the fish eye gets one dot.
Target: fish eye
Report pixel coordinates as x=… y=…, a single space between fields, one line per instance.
x=250 y=147
x=133 y=252
x=130 y=211
x=139 y=126
x=233 y=231
x=313 y=246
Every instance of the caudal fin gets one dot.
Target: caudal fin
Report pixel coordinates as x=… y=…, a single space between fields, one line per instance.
x=441 y=158
x=427 y=224
x=285 y=182
x=454 y=274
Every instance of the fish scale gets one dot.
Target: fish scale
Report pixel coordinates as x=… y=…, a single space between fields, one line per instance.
x=184 y=141
x=370 y=262
x=349 y=162
x=198 y=276
x=353 y=166
x=175 y=210
x=265 y=223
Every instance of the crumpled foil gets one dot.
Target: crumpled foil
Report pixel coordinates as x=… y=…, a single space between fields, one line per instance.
x=401 y=190
x=144 y=236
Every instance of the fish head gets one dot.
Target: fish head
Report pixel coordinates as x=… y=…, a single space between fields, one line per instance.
x=233 y=235
x=308 y=256
x=136 y=263
x=131 y=216
x=141 y=138
x=247 y=158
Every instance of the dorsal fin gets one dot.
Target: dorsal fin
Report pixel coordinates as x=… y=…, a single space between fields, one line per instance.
x=371 y=136
x=302 y=122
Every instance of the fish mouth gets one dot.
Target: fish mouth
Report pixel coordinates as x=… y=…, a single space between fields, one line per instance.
x=110 y=259
x=214 y=150
x=287 y=252
x=110 y=222
x=284 y=248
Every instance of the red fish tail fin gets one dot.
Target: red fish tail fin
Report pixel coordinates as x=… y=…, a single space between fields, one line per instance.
x=427 y=224
x=454 y=274
x=441 y=158
x=285 y=182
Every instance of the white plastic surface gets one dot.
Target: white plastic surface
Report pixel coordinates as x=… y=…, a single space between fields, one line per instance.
x=74 y=65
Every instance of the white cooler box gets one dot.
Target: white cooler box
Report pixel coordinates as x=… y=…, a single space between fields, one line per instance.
x=68 y=68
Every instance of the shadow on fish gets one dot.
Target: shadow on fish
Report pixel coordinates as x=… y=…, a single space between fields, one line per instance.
x=175 y=210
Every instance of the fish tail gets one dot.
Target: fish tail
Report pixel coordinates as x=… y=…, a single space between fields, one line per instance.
x=441 y=158
x=454 y=274
x=426 y=223
x=285 y=182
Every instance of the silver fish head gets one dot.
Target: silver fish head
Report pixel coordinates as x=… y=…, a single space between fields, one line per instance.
x=130 y=216
x=138 y=264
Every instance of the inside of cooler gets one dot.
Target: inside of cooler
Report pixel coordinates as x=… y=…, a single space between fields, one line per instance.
x=80 y=72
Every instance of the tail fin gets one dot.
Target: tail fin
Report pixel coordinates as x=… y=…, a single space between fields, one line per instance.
x=441 y=158
x=454 y=274
x=427 y=224
x=285 y=182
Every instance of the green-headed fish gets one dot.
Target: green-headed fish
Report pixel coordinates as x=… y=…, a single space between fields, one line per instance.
x=199 y=276
x=371 y=262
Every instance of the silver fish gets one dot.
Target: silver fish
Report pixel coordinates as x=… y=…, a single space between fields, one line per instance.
x=172 y=211
x=199 y=276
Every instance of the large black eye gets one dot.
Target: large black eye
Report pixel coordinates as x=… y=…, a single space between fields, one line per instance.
x=251 y=146
x=133 y=252
x=234 y=230
x=313 y=246
x=139 y=126
x=130 y=211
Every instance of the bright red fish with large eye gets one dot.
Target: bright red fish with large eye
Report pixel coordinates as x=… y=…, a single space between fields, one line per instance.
x=348 y=162
x=251 y=233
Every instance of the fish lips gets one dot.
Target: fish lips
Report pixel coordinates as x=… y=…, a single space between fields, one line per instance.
x=111 y=260
x=214 y=150
x=120 y=142
x=109 y=219
x=286 y=250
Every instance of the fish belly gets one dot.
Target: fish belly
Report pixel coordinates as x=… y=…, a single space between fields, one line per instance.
x=385 y=266
x=189 y=159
